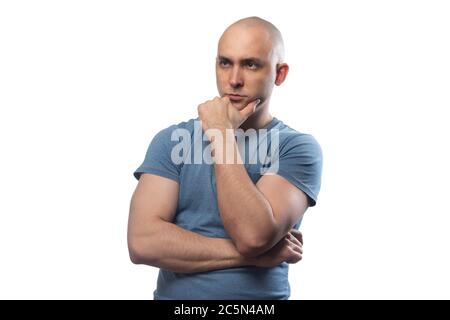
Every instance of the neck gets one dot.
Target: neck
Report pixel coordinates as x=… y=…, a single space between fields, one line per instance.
x=259 y=119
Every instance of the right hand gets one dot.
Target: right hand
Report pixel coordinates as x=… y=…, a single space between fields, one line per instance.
x=289 y=249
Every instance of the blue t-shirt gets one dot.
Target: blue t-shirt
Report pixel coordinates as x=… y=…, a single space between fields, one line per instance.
x=298 y=159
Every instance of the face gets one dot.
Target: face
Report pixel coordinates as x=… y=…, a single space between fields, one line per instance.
x=245 y=66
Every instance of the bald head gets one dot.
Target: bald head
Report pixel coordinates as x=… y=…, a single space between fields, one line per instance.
x=265 y=32
x=250 y=62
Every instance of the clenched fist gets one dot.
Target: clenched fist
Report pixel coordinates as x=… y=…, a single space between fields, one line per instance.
x=220 y=114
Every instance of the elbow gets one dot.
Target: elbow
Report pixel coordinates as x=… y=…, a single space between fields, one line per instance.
x=143 y=247
x=136 y=252
x=135 y=257
x=252 y=246
x=251 y=249
x=248 y=252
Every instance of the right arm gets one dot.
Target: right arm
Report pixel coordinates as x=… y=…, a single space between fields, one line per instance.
x=154 y=240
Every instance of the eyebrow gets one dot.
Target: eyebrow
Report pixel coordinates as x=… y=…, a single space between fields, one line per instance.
x=245 y=60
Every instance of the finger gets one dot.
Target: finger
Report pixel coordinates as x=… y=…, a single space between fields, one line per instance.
x=226 y=99
x=294 y=246
x=296 y=241
x=297 y=234
x=250 y=108
x=294 y=258
x=296 y=249
x=293 y=239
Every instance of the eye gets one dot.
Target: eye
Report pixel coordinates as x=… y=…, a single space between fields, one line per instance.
x=251 y=65
x=224 y=63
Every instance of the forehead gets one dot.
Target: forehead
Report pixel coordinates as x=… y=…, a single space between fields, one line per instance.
x=238 y=42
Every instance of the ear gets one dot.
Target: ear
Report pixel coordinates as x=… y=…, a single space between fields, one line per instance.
x=282 y=71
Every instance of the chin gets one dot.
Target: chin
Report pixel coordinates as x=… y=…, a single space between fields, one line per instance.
x=239 y=105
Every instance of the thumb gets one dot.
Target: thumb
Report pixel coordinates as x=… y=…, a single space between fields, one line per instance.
x=250 y=108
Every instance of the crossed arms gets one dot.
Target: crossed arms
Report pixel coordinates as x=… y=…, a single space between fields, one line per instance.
x=258 y=219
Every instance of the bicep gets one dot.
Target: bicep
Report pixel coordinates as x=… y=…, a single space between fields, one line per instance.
x=155 y=197
x=287 y=201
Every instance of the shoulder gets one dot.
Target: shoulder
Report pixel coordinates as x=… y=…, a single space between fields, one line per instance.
x=292 y=140
x=170 y=134
x=299 y=160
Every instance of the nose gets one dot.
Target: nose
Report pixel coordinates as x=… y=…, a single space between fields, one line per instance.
x=236 y=79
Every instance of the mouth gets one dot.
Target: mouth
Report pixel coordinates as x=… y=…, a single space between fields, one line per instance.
x=236 y=97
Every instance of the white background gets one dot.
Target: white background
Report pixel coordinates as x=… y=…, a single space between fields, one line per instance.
x=85 y=85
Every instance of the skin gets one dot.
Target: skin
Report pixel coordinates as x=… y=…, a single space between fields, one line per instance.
x=154 y=239
x=238 y=73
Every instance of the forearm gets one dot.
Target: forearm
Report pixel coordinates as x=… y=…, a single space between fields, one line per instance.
x=171 y=247
x=245 y=212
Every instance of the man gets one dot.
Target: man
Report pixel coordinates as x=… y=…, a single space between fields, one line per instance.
x=226 y=227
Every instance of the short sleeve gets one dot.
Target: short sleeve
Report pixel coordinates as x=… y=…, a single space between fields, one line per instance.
x=158 y=157
x=300 y=162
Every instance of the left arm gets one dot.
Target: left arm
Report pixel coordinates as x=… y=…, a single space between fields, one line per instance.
x=255 y=216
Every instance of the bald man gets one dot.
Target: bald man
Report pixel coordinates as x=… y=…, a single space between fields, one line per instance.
x=222 y=222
